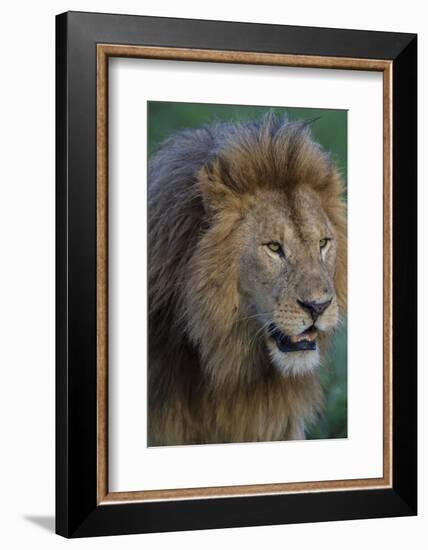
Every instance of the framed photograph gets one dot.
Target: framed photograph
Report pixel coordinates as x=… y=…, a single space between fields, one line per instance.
x=236 y=274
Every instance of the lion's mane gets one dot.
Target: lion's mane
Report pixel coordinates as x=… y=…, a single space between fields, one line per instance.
x=208 y=382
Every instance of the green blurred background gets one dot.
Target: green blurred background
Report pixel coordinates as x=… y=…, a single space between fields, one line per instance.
x=329 y=128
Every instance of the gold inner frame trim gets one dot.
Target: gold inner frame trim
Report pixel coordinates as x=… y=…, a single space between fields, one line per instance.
x=104 y=51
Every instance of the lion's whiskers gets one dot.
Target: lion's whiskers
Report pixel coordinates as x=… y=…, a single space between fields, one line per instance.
x=259 y=332
x=255 y=316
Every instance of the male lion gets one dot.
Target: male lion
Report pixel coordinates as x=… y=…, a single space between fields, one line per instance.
x=247 y=280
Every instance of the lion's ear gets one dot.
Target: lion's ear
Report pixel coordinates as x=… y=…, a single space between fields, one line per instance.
x=216 y=187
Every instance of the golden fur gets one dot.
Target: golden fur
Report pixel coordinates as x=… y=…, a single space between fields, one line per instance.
x=217 y=197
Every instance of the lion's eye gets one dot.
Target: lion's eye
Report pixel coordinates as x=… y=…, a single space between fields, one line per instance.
x=275 y=247
x=323 y=243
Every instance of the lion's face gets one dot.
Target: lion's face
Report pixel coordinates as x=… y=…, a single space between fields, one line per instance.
x=286 y=266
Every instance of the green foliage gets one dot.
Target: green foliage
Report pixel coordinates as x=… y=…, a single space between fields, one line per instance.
x=329 y=128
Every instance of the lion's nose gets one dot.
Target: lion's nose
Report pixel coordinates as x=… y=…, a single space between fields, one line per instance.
x=314 y=308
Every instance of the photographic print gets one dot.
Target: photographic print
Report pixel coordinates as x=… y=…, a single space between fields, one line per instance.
x=247 y=273
x=234 y=236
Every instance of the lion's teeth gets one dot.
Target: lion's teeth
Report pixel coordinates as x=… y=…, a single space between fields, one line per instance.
x=309 y=336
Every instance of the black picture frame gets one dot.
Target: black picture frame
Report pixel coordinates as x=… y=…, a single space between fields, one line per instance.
x=77 y=512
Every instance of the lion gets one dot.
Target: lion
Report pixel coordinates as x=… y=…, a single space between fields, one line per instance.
x=247 y=281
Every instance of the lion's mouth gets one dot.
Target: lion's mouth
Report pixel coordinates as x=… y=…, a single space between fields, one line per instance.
x=305 y=341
